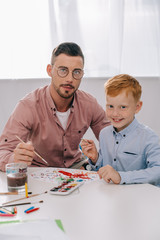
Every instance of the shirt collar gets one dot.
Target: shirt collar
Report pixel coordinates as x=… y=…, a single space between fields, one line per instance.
x=128 y=129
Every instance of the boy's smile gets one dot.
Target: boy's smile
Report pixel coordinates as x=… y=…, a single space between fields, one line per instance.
x=121 y=109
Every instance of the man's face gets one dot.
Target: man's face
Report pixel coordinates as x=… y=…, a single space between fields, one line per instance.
x=65 y=86
x=121 y=109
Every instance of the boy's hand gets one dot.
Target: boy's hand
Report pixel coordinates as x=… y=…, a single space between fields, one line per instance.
x=89 y=149
x=108 y=173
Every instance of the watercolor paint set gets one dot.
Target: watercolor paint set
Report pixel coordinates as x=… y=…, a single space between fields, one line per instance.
x=67 y=186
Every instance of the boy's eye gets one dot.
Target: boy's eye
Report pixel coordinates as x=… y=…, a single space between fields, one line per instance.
x=110 y=106
x=123 y=107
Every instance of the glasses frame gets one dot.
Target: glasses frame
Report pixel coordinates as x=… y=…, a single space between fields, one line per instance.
x=68 y=72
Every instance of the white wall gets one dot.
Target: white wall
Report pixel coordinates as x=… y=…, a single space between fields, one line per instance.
x=12 y=90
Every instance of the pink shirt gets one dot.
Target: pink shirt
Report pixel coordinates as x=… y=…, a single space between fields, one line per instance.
x=34 y=119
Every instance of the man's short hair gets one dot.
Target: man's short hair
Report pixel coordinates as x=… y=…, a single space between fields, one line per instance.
x=68 y=48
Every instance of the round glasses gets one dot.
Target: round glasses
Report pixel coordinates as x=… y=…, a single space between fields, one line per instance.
x=62 y=72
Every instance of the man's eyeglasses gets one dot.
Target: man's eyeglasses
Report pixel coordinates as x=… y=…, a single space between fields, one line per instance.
x=62 y=72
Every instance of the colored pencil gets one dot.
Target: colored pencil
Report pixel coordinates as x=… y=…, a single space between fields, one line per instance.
x=32 y=210
x=34 y=151
x=26 y=190
x=28 y=209
x=2 y=209
x=6 y=215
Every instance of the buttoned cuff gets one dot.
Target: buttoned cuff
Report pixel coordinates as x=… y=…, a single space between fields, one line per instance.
x=124 y=179
x=93 y=166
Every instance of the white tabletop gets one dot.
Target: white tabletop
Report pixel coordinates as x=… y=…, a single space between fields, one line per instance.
x=97 y=210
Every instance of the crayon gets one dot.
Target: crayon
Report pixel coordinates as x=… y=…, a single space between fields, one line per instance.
x=6 y=215
x=29 y=209
x=32 y=210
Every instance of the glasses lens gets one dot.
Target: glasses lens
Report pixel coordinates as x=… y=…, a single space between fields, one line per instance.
x=62 y=72
x=78 y=74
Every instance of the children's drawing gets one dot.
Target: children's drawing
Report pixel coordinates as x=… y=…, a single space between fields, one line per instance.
x=52 y=174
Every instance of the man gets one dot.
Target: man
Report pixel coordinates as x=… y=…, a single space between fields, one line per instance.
x=52 y=120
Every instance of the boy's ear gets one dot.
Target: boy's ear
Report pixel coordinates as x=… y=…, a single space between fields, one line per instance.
x=139 y=106
x=49 y=69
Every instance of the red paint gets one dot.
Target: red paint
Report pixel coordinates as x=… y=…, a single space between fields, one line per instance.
x=76 y=175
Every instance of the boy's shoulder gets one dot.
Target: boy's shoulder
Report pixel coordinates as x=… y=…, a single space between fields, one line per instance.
x=106 y=130
x=138 y=131
x=145 y=129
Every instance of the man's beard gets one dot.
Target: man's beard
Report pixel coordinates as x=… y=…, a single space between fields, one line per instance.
x=65 y=95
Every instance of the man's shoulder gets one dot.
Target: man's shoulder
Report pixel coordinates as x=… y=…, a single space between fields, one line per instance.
x=35 y=95
x=85 y=96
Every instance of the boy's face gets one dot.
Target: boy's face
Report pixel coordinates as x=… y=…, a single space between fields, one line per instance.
x=121 y=109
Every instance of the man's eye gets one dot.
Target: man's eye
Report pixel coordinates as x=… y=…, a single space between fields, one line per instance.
x=77 y=72
x=63 y=70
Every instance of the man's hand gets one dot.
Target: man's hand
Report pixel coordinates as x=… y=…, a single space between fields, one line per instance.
x=108 y=173
x=24 y=152
x=89 y=149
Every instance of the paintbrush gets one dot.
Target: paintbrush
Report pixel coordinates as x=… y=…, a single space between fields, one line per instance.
x=33 y=195
x=19 y=204
x=8 y=193
x=33 y=151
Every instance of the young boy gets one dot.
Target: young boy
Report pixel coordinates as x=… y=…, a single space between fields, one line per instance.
x=129 y=151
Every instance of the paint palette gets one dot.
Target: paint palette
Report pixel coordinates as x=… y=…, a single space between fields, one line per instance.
x=66 y=187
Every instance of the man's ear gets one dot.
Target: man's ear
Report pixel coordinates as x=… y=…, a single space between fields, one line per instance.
x=49 y=70
x=139 y=106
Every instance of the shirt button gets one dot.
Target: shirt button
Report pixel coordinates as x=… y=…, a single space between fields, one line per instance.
x=114 y=159
x=117 y=142
x=124 y=135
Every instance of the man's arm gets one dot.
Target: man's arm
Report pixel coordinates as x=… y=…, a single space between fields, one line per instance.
x=19 y=124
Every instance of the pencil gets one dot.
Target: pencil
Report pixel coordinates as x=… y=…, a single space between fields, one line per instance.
x=26 y=190
x=34 y=151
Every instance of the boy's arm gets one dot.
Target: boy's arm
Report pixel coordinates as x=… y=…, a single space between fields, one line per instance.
x=108 y=173
x=89 y=149
x=151 y=157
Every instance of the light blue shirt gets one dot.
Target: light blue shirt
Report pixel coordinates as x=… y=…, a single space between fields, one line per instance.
x=134 y=152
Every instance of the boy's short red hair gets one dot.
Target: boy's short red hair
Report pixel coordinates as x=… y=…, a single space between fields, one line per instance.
x=118 y=83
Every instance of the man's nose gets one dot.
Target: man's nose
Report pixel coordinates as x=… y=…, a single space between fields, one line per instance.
x=69 y=77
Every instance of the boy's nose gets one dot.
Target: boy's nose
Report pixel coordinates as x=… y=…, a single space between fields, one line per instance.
x=115 y=112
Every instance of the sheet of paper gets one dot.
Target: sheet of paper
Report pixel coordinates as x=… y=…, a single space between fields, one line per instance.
x=11 y=237
x=32 y=230
x=53 y=175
